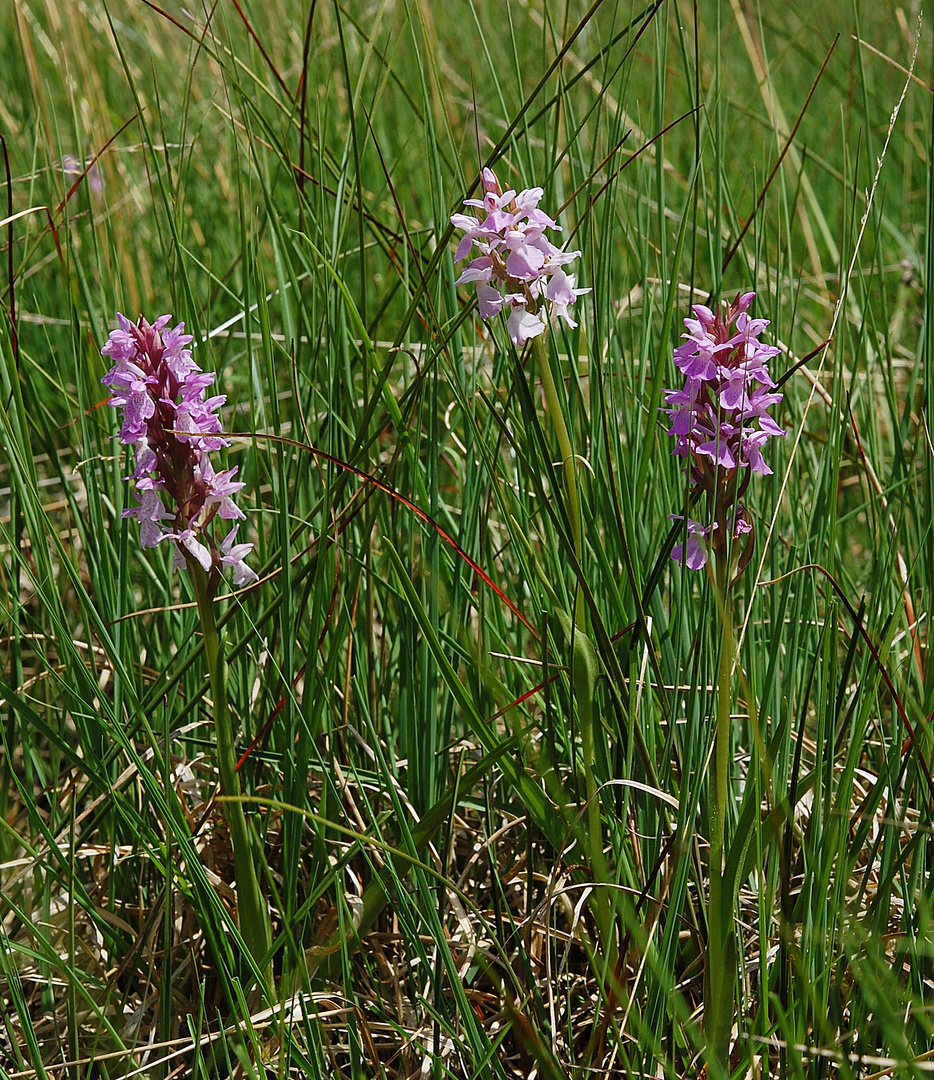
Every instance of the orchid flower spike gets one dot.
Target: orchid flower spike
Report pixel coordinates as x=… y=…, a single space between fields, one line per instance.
x=172 y=427
x=720 y=421
x=517 y=270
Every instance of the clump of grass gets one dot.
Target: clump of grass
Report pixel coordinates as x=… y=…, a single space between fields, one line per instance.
x=410 y=732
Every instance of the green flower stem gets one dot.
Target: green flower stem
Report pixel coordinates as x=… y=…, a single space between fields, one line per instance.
x=602 y=897
x=721 y=944
x=252 y=911
x=568 y=459
x=584 y=661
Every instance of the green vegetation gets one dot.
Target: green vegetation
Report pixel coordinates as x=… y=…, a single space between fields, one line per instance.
x=481 y=745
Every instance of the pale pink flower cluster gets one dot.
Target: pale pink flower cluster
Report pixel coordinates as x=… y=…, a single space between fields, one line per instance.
x=72 y=167
x=172 y=427
x=519 y=271
x=721 y=422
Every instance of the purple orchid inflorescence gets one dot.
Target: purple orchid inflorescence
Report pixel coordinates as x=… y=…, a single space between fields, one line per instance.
x=173 y=427
x=518 y=269
x=721 y=423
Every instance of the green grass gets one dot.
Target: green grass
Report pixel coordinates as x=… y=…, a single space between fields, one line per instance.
x=281 y=176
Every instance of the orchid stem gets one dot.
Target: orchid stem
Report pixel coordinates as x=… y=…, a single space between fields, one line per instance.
x=252 y=911
x=721 y=945
x=583 y=665
x=568 y=459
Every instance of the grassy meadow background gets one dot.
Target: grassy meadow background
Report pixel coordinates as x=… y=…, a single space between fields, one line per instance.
x=280 y=175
